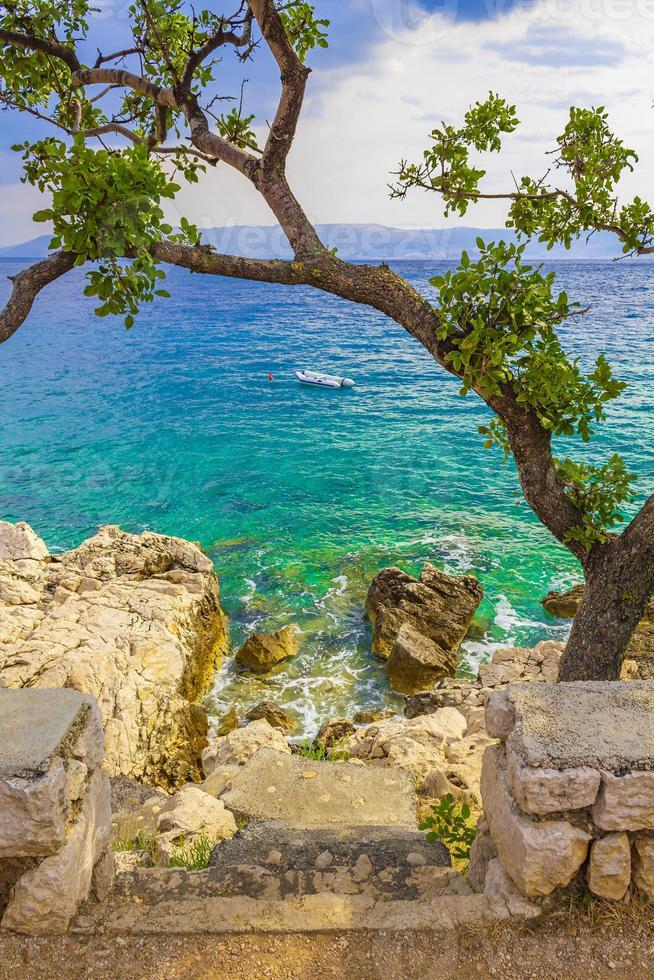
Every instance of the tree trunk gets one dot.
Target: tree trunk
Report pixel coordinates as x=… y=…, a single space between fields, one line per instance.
x=619 y=584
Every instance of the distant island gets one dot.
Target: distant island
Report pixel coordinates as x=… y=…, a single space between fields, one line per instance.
x=368 y=242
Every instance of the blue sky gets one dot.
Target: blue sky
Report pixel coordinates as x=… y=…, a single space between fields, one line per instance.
x=393 y=70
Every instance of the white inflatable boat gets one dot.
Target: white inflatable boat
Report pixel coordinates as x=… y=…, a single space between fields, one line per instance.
x=323 y=380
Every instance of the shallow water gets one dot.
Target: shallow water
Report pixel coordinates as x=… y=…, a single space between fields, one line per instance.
x=299 y=495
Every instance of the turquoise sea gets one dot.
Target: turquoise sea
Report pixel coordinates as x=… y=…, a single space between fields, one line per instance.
x=298 y=495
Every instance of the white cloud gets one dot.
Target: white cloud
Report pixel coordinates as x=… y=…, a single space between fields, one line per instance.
x=361 y=119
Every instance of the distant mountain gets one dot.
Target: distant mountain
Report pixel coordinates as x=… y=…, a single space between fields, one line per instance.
x=368 y=242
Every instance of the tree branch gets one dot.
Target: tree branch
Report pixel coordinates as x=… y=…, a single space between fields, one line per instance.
x=125 y=79
x=27 y=286
x=29 y=42
x=216 y=41
x=294 y=77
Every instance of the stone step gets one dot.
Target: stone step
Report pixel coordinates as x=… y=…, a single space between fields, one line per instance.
x=306 y=793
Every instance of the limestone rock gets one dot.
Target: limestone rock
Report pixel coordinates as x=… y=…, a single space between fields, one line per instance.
x=194 y=813
x=539 y=857
x=18 y=542
x=46 y=897
x=274 y=714
x=643 y=864
x=437 y=605
x=372 y=715
x=416 y=662
x=134 y=620
x=625 y=802
x=499 y=715
x=498 y=884
x=34 y=813
x=333 y=731
x=482 y=853
x=263 y=651
x=219 y=781
x=416 y=744
x=609 y=867
x=240 y=745
x=564 y=605
x=228 y=722
x=542 y=790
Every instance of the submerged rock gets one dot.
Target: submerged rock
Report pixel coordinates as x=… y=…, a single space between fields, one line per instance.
x=263 y=651
x=436 y=607
x=274 y=714
x=376 y=714
x=134 y=620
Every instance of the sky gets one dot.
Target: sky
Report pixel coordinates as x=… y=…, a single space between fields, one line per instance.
x=394 y=69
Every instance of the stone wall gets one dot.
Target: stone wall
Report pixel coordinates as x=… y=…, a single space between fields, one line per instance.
x=55 y=809
x=568 y=793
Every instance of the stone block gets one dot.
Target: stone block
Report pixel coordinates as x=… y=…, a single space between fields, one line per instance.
x=499 y=715
x=34 y=813
x=609 y=867
x=625 y=802
x=643 y=864
x=538 y=856
x=46 y=897
x=551 y=790
x=241 y=744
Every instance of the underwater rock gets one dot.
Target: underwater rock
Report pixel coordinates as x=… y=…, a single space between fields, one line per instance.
x=274 y=714
x=263 y=651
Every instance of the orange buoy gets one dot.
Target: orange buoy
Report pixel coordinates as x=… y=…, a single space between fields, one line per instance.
x=270 y=377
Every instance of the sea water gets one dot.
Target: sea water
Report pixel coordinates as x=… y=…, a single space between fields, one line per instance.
x=300 y=495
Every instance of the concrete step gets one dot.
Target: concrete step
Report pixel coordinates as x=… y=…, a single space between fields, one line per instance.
x=305 y=793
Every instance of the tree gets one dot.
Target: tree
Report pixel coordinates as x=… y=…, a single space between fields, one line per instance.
x=494 y=326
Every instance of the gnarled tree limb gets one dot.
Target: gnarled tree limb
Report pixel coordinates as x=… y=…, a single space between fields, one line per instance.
x=27 y=285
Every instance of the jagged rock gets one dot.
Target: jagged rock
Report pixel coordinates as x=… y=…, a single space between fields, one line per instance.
x=625 y=802
x=482 y=852
x=193 y=814
x=640 y=649
x=498 y=884
x=437 y=605
x=333 y=731
x=134 y=620
x=543 y=790
x=416 y=662
x=416 y=744
x=263 y=651
x=241 y=744
x=609 y=867
x=228 y=722
x=370 y=716
x=275 y=715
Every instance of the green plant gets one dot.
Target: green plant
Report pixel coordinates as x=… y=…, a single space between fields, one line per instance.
x=142 y=842
x=320 y=752
x=449 y=822
x=194 y=856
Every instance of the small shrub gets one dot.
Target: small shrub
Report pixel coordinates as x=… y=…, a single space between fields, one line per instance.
x=194 y=856
x=319 y=752
x=450 y=823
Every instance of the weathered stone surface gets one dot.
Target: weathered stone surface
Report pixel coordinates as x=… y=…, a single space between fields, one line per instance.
x=512 y=665
x=416 y=662
x=538 y=856
x=604 y=725
x=643 y=864
x=333 y=731
x=482 y=852
x=34 y=813
x=370 y=716
x=609 y=867
x=263 y=651
x=564 y=605
x=240 y=745
x=304 y=793
x=551 y=790
x=498 y=884
x=439 y=606
x=193 y=813
x=134 y=620
x=46 y=896
x=625 y=802
x=228 y=722
x=416 y=744
x=35 y=726
x=499 y=715
x=18 y=542
x=274 y=714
